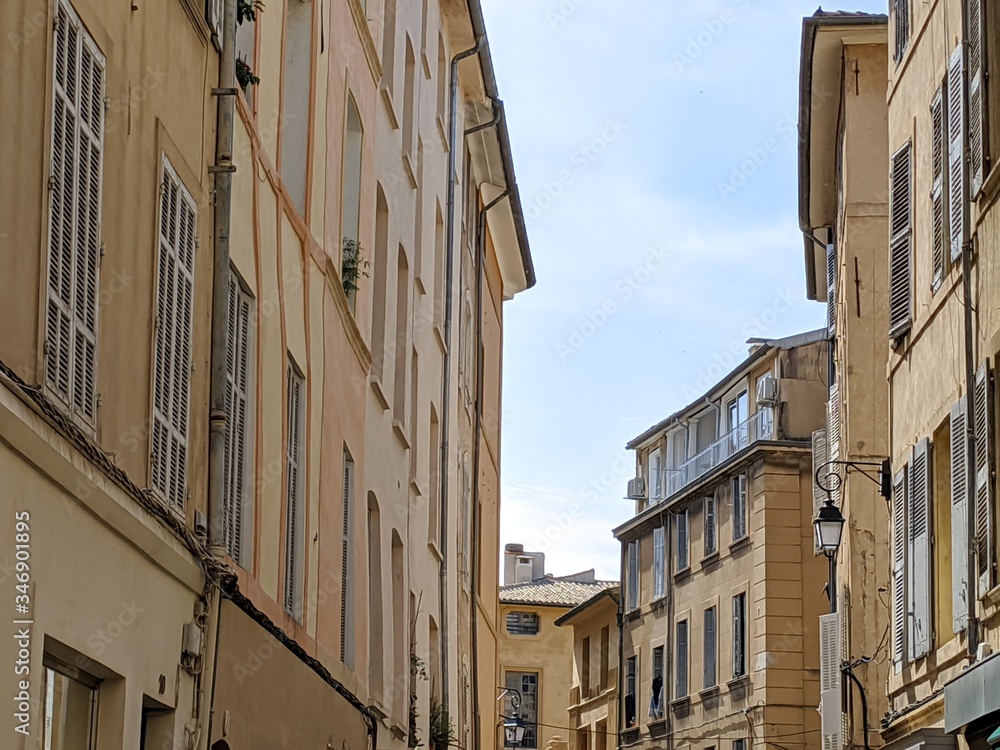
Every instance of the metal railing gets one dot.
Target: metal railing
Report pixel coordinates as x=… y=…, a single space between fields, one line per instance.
x=760 y=426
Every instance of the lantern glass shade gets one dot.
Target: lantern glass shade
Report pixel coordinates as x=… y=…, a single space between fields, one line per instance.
x=514 y=731
x=829 y=525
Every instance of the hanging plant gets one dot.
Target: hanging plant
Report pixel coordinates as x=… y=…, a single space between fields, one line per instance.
x=352 y=266
x=248 y=10
x=244 y=75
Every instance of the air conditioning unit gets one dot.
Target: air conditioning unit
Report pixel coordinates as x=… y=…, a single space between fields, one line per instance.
x=637 y=489
x=767 y=391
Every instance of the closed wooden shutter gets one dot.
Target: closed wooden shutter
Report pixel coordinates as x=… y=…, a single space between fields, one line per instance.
x=819 y=461
x=829 y=678
x=293 y=493
x=901 y=27
x=346 y=568
x=919 y=503
x=978 y=101
x=74 y=243
x=739 y=635
x=899 y=600
x=983 y=412
x=682 y=660
x=659 y=561
x=834 y=428
x=960 y=601
x=958 y=209
x=238 y=412
x=632 y=582
x=900 y=245
x=711 y=544
x=172 y=354
x=710 y=649
x=683 y=549
x=938 y=225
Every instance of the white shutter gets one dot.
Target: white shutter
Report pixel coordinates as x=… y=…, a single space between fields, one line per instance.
x=831 y=288
x=214 y=14
x=983 y=412
x=293 y=494
x=900 y=244
x=238 y=405
x=178 y=229
x=938 y=137
x=74 y=252
x=978 y=101
x=633 y=575
x=899 y=570
x=959 y=517
x=655 y=487
x=819 y=459
x=958 y=209
x=659 y=560
x=829 y=678
x=346 y=571
x=919 y=563
x=833 y=436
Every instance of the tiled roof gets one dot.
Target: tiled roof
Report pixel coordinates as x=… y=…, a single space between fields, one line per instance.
x=552 y=592
x=845 y=14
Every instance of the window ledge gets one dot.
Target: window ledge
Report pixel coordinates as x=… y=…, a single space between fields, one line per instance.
x=709 y=692
x=681 y=575
x=379 y=393
x=710 y=560
x=443 y=132
x=741 y=543
x=387 y=99
x=400 y=431
x=408 y=168
x=680 y=703
x=738 y=682
x=657 y=726
x=658 y=603
x=433 y=547
x=415 y=486
x=439 y=335
x=633 y=614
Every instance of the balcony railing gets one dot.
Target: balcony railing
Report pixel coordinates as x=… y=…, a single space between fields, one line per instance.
x=760 y=426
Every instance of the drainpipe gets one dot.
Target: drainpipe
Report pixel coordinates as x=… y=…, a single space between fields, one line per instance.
x=668 y=666
x=223 y=170
x=477 y=443
x=446 y=376
x=622 y=593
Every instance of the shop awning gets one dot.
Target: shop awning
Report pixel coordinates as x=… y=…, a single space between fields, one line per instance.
x=994 y=739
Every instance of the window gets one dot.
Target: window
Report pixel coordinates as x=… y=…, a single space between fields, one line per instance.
x=683 y=540
x=659 y=561
x=585 y=669
x=605 y=657
x=294 y=516
x=901 y=25
x=632 y=577
x=434 y=480
x=238 y=500
x=681 y=684
x=958 y=174
x=959 y=482
x=439 y=266
x=295 y=94
x=401 y=345
x=709 y=639
x=350 y=209
x=631 y=684
x=442 y=80
x=919 y=506
x=522 y=623
x=347 y=568
x=981 y=59
x=739 y=507
x=739 y=745
x=400 y=664
x=711 y=526
x=524 y=568
x=739 y=634
x=939 y=136
x=389 y=43
x=582 y=739
x=70 y=708
x=527 y=684
x=178 y=228
x=738 y=411
x=655 y=476
x=985 y=522
x=376 y=631
x=601 y=735
x=380 y=283
x=899 y=487
x=656 y=698
x=409 y=97
x=900 y=246
x=74 y=244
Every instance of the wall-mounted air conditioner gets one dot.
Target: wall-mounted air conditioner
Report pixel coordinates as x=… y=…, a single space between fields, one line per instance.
x=637 y=489
x=767 y=391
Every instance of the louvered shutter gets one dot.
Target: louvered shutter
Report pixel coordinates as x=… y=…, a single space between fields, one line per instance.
x=238 y=404
x=819 y=460
x=978 y=101
x=938 y=137
x=214 y=14
x=829 y=678
x=900 y=245
x=958 y=209
x=293 y=495
x=659 y=553
x=983 y=412
x=683 y=551
x=959 y=517
x=844 y=613
x=178 y=229
x=834 y=428
x=919 y=563
x=681 y=688
x=901 y=17
x=899 y=570
x=710 y=649
x=710 y=525
x=346 y=572
x=74 y=252
x=831 y=288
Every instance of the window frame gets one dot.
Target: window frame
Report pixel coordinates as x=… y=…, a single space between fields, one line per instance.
x=740 y=496
x=682 y=662
x=739 y=635
x=683 y=558
x=522 y=629
x=295 y=511
x=710 y=517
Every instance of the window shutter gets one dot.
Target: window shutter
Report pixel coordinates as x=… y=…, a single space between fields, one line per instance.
x=655 y=490
x=938 y=137
x=831 y=288
x=958 y=209
x=901 y=13
x=214 y=14
x=172 y=355
x=919 y=563
x=633 y=575
x=346 y=572
x=739 y=635
x=682 y=659
x=74 y=252
x=833 y=435
x=659 y=551
x=710 y=525
x=238 y=363
x=899 y=569
x=983 y=412
x=829 y=678
x=710 y=649
x=819 y=459
x=683 y=556
x=900 y=245
x=978 y=147
x=959 y=517
x=293 y=492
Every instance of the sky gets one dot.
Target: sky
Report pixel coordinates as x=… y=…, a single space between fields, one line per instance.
x=655 y=146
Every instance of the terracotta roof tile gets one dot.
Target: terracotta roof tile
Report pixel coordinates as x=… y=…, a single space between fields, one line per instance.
x=552 y=592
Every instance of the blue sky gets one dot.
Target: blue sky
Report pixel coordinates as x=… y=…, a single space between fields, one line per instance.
x=655 y=147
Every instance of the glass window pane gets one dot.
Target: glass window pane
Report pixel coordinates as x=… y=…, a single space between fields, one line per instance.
x=70 y=710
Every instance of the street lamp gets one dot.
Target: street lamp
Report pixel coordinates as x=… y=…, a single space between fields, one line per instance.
x=513 y=725
x=829 y=524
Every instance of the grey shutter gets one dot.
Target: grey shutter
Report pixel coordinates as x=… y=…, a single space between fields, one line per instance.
x=682 y=659
x=831 y=288
x=901 y=17
x=978 y=101
x=958 y=209
x=938 y=137
x=959 y=517
x=739 y=635
x=238 y=404
x=983 y=412
x=710 y=525
x=829 y=678
x=919 y=562
x=346 y=572
x=172 y=353
x=710 y=649
x=900 y=245
x=293 y=495
x=683 y=553
x=819 y=460
x=75 y=216
x=899 y=570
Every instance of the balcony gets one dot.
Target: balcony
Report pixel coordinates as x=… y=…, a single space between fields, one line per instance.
x=760 y=426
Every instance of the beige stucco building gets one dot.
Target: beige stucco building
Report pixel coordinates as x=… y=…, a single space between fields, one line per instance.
x=536 y=655
x=228 y=429
x=721 y=589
